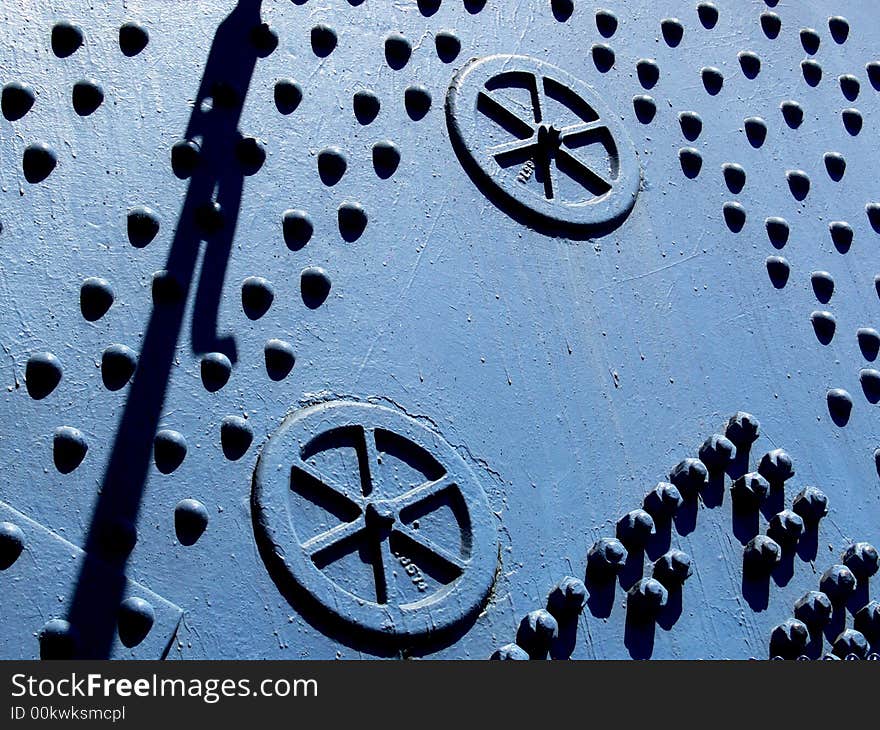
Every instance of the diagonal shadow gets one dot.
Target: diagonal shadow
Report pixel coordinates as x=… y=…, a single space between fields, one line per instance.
x=215 y=187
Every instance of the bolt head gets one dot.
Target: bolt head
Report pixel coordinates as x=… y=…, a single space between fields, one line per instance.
x=536 y=632
x=673 y=568
x=690 y=477
x=647 y=597
x=663 y=500
x=814 y=609
x=862 y=559
x=742 y=429
x=811 y=504
x=634 y=528
x=761 y=555
x=717 y=452
x=510 y=652
x=849 y=642
x=606 y=558
x=776 y=466
x=786 y=528
x=749 y=490
x=789 y=639
x=838 y=583
x=567 y=597
x=867 y=620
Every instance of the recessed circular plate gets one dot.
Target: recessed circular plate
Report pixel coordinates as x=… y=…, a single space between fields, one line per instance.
x=543 y=141
x=377 y=517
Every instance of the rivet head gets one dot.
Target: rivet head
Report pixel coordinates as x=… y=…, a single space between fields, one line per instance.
x=288 y=95
x=42 y=374
x=136 y=618
x=69 y=448
x=236 y=436
x=190 y=521
x=58 y=640
x=280 y=358
x=169 y=450
x=536 y=632
x=11 y=544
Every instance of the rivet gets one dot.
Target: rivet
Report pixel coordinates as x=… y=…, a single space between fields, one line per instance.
x=118 y=364
x=190 y=521
x=169 y=450
x=136 y=618
x=69 y=448
x=236 y=436
x=42 y=374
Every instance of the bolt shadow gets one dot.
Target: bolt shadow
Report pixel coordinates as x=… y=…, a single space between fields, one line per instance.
x=713 y=492
x=739 y=465
x=638 y=635
x=686 y=516
x=784 y=570
x=633 y=569
x=216 y=181
x=562 y=647
x=859 y=598
x=837 y=623
x=808 y=545
x=745 y=522
x=661 y=539
x=671 y=611
x=755 y=588
x=774 y=502
x=601 y=590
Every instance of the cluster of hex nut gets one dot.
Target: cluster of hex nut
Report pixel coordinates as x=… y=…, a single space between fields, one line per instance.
x=688 y=482
x=815 y=610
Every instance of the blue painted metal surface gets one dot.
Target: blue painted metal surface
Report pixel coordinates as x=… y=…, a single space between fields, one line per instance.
x=440 y=329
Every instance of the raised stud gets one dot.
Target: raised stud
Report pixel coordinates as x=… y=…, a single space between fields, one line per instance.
x=42 y=374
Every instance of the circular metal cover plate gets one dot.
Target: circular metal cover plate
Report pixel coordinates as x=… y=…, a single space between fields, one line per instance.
x=377 y=518
x=543 y=141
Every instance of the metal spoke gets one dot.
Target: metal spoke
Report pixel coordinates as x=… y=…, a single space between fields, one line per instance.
x=580 y=173
x=316 y=547
x=576 y=135
x=515 y=152
x=323 y=491
x=369 y=463
x=443 y=556
x=502 y=116
x=537 y=99
x=422 y=492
